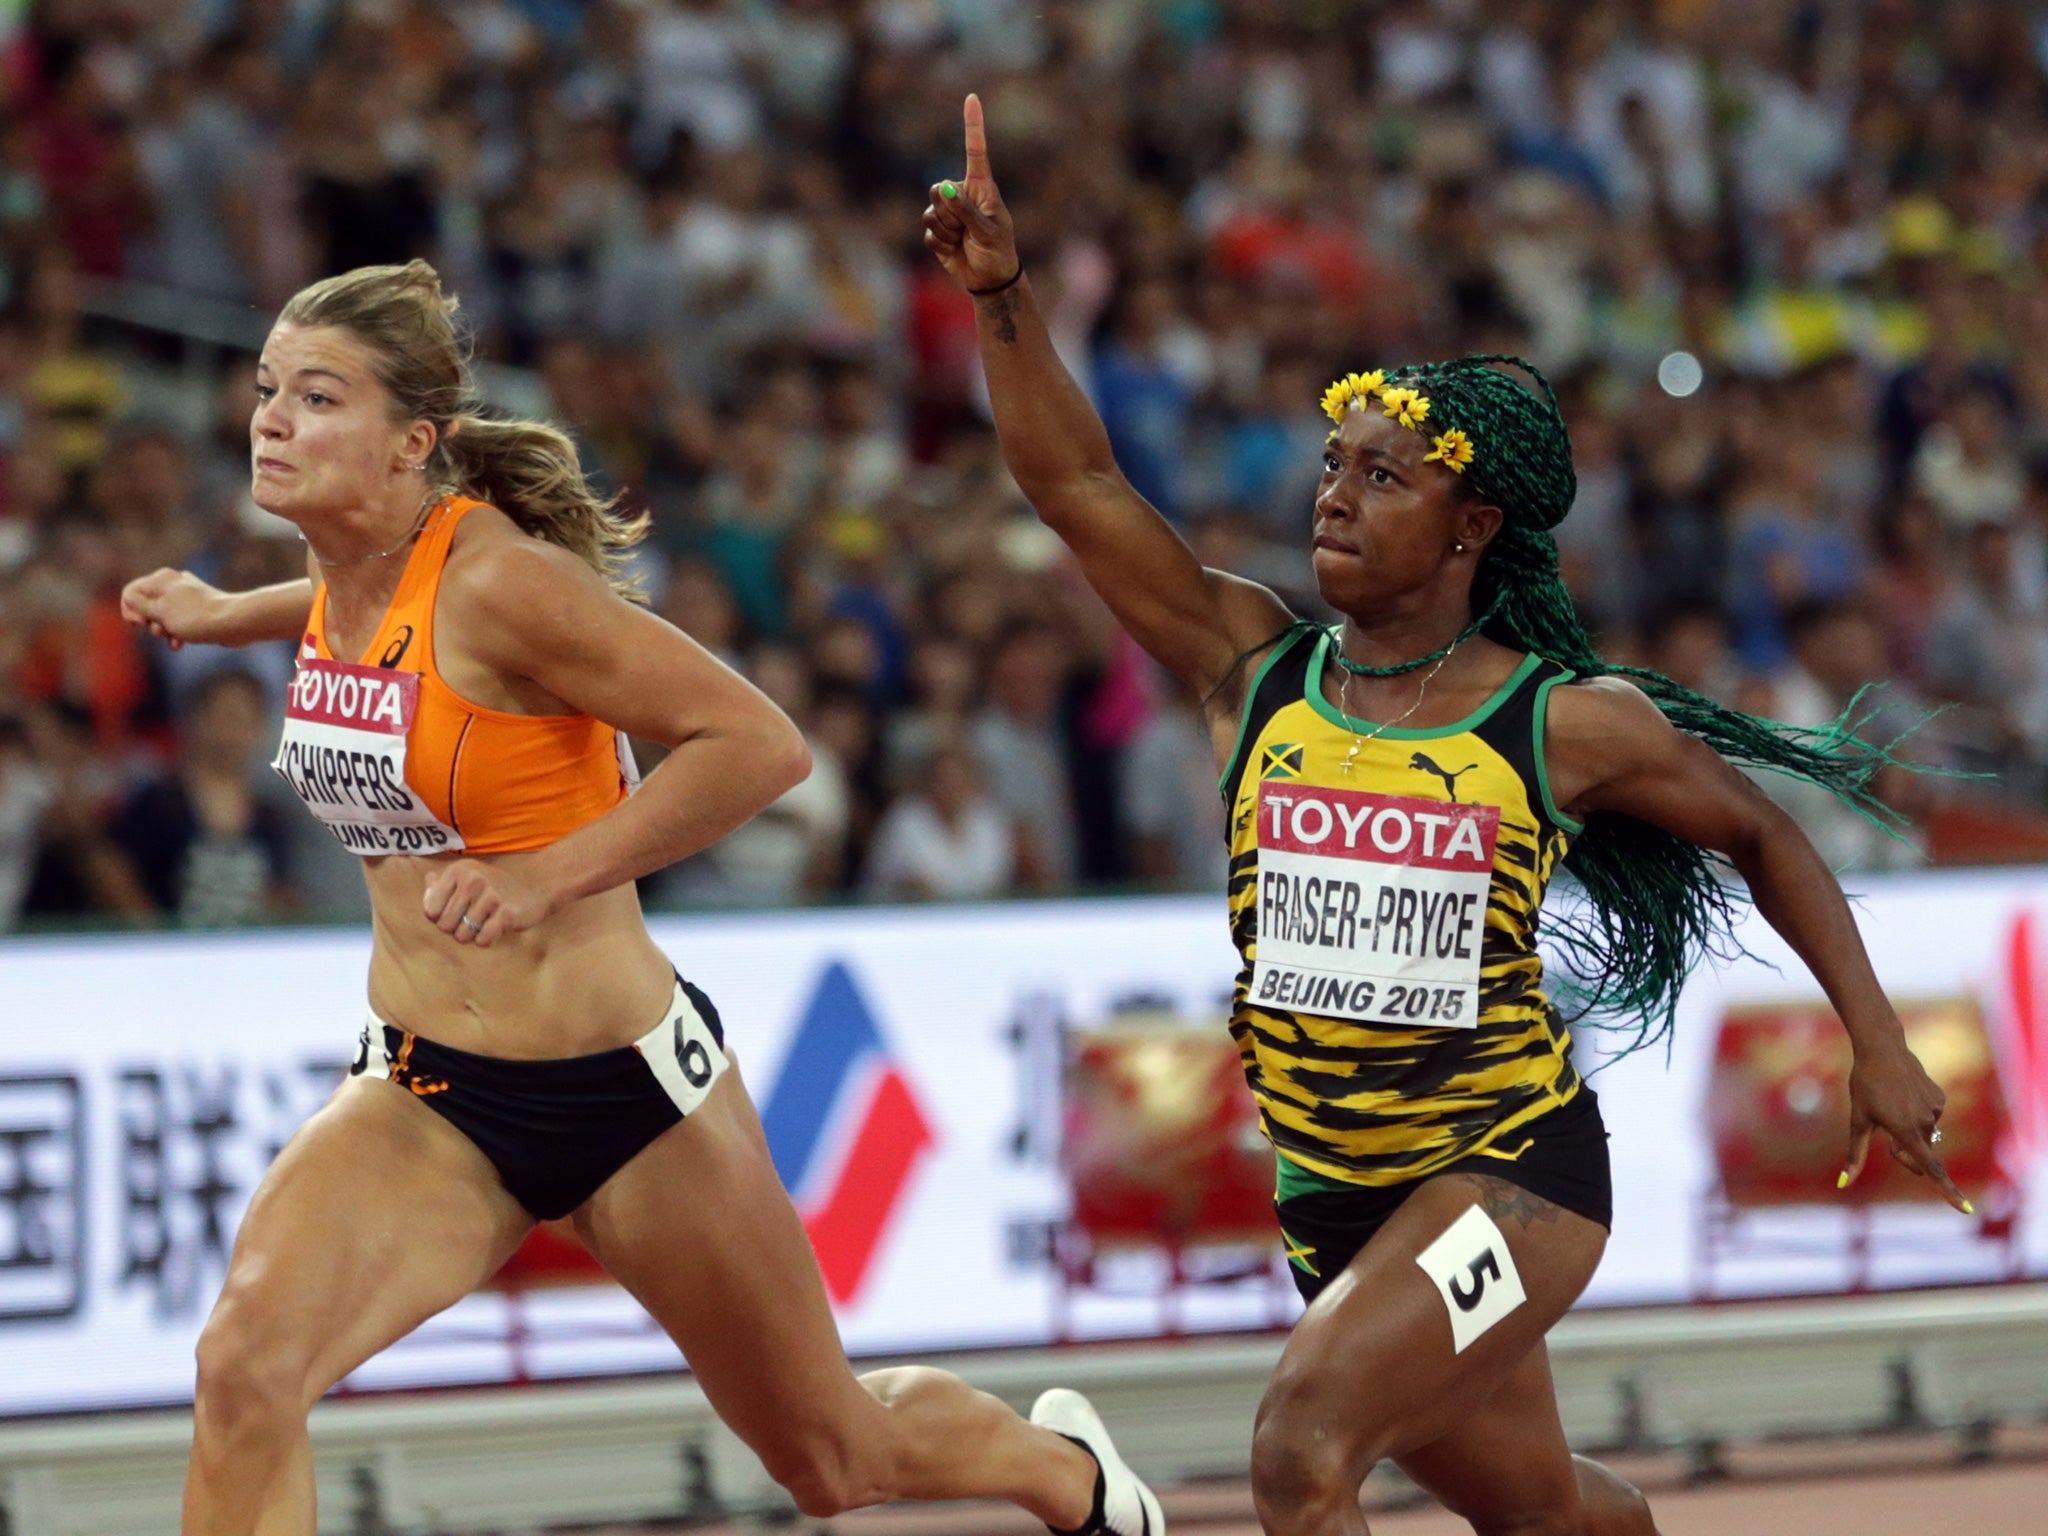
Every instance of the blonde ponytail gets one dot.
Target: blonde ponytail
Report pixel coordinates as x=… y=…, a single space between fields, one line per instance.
x=529 y=470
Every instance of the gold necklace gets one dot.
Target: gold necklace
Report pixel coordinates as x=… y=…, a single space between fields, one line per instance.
x=1344 y=705
x=426 y=508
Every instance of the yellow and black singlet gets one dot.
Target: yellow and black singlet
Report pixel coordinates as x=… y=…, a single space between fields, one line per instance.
x=1390 y=1009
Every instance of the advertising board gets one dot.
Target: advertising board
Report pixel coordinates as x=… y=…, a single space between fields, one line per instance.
x=909 y=1066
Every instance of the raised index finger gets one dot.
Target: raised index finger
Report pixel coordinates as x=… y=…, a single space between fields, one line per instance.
x=977 y=142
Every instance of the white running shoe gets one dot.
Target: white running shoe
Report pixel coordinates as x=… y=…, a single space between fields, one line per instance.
x=1124 y=1506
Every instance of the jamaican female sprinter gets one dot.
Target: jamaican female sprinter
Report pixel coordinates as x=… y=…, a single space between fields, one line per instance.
x=467 y=675
x=1401 y=787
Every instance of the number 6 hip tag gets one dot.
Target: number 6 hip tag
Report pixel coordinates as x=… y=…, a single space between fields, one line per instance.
x=684 y=1053
x=1471 y=1266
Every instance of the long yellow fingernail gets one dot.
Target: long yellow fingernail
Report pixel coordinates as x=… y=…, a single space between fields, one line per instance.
x=1969 y=1209
x=1842 y=1179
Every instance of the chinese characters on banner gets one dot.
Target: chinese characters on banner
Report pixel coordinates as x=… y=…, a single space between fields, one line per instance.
x=191 y=1138
x=42 y=1196
x=147 y=1082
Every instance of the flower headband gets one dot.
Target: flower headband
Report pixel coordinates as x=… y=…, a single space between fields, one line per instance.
x=1410 y=407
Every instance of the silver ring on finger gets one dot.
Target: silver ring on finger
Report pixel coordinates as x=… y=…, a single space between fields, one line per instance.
x=472 y=926
x=1934 y=1137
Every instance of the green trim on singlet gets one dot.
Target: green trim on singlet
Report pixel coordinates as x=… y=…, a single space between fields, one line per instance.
x=1313 y=692
x=1291 y=1179
x=1282 y=644
x=1540 y=709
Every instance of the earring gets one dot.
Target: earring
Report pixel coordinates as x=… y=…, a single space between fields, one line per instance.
x=1458 y=548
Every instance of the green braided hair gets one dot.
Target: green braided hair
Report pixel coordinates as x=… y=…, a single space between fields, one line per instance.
x=1650 y=905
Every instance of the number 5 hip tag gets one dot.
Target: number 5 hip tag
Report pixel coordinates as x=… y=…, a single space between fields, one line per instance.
x=1471 y=1266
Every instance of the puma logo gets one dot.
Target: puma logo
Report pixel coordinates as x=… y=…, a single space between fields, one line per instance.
x=1422 y=762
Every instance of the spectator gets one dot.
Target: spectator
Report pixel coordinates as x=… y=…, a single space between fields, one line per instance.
x=1273 y=455
x=80 y=870
x=942 y=680
x=87 y=162
x=78 y=648
x=1836 y=661
x=1145 y=394
x=842 y=723
x=1782 y=263
x=74 y=391
x=194 y=150
x=795 y=850
x=1966 y=466
x=366 y=196
x=1987 y=650
x=540 y=263
x=693 y=57
x=698 y=603
x=26 y=791
x=863 y=454
x=946 y=840
x=1596 y=547
x=1911 y=583
x=749 y=509
x=1690 y=646
x=1785 y=551
x=1021 y=745
x=207 y=847
x=1169 y=803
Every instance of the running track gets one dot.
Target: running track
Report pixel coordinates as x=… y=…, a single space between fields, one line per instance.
x=1889 y=1486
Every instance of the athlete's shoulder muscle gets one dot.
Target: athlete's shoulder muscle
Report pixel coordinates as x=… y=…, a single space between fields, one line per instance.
x=515 y=600
x=1612 y=749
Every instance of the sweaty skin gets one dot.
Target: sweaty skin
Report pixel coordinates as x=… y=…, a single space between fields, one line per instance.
x=553 y=960
x=559 y=962
x=1370 y=1372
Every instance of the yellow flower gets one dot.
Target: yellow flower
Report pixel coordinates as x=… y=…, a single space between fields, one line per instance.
x=1405 y=406
x=1453 y=448
x=1350 y=394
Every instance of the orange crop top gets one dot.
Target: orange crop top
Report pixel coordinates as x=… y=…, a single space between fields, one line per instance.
x=394 y=760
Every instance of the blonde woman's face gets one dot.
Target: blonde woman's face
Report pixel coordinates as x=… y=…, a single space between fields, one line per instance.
x=322 y=442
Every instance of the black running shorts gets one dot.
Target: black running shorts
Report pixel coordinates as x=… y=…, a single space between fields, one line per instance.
x=556 y=1130
x=1563 y=1159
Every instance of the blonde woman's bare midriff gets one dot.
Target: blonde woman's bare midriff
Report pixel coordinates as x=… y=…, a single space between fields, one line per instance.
x=587 y=979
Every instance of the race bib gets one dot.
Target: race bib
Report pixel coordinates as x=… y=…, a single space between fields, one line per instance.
x=343 y=753
x=1372 y=907
x=1475 y=1274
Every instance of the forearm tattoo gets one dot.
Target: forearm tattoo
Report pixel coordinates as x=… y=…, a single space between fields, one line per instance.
x=1002 y=309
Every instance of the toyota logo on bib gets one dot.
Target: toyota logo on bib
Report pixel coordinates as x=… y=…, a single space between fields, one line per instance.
x=1356 y=824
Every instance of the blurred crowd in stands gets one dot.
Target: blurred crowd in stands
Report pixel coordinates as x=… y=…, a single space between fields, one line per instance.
x=1787 y=263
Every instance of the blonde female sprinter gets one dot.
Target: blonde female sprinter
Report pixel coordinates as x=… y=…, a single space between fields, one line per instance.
x=467 y=676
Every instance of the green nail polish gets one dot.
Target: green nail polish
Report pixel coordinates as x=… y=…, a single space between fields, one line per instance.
x=1842 y=1180
x=947 y=189
x=1969 y=1209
